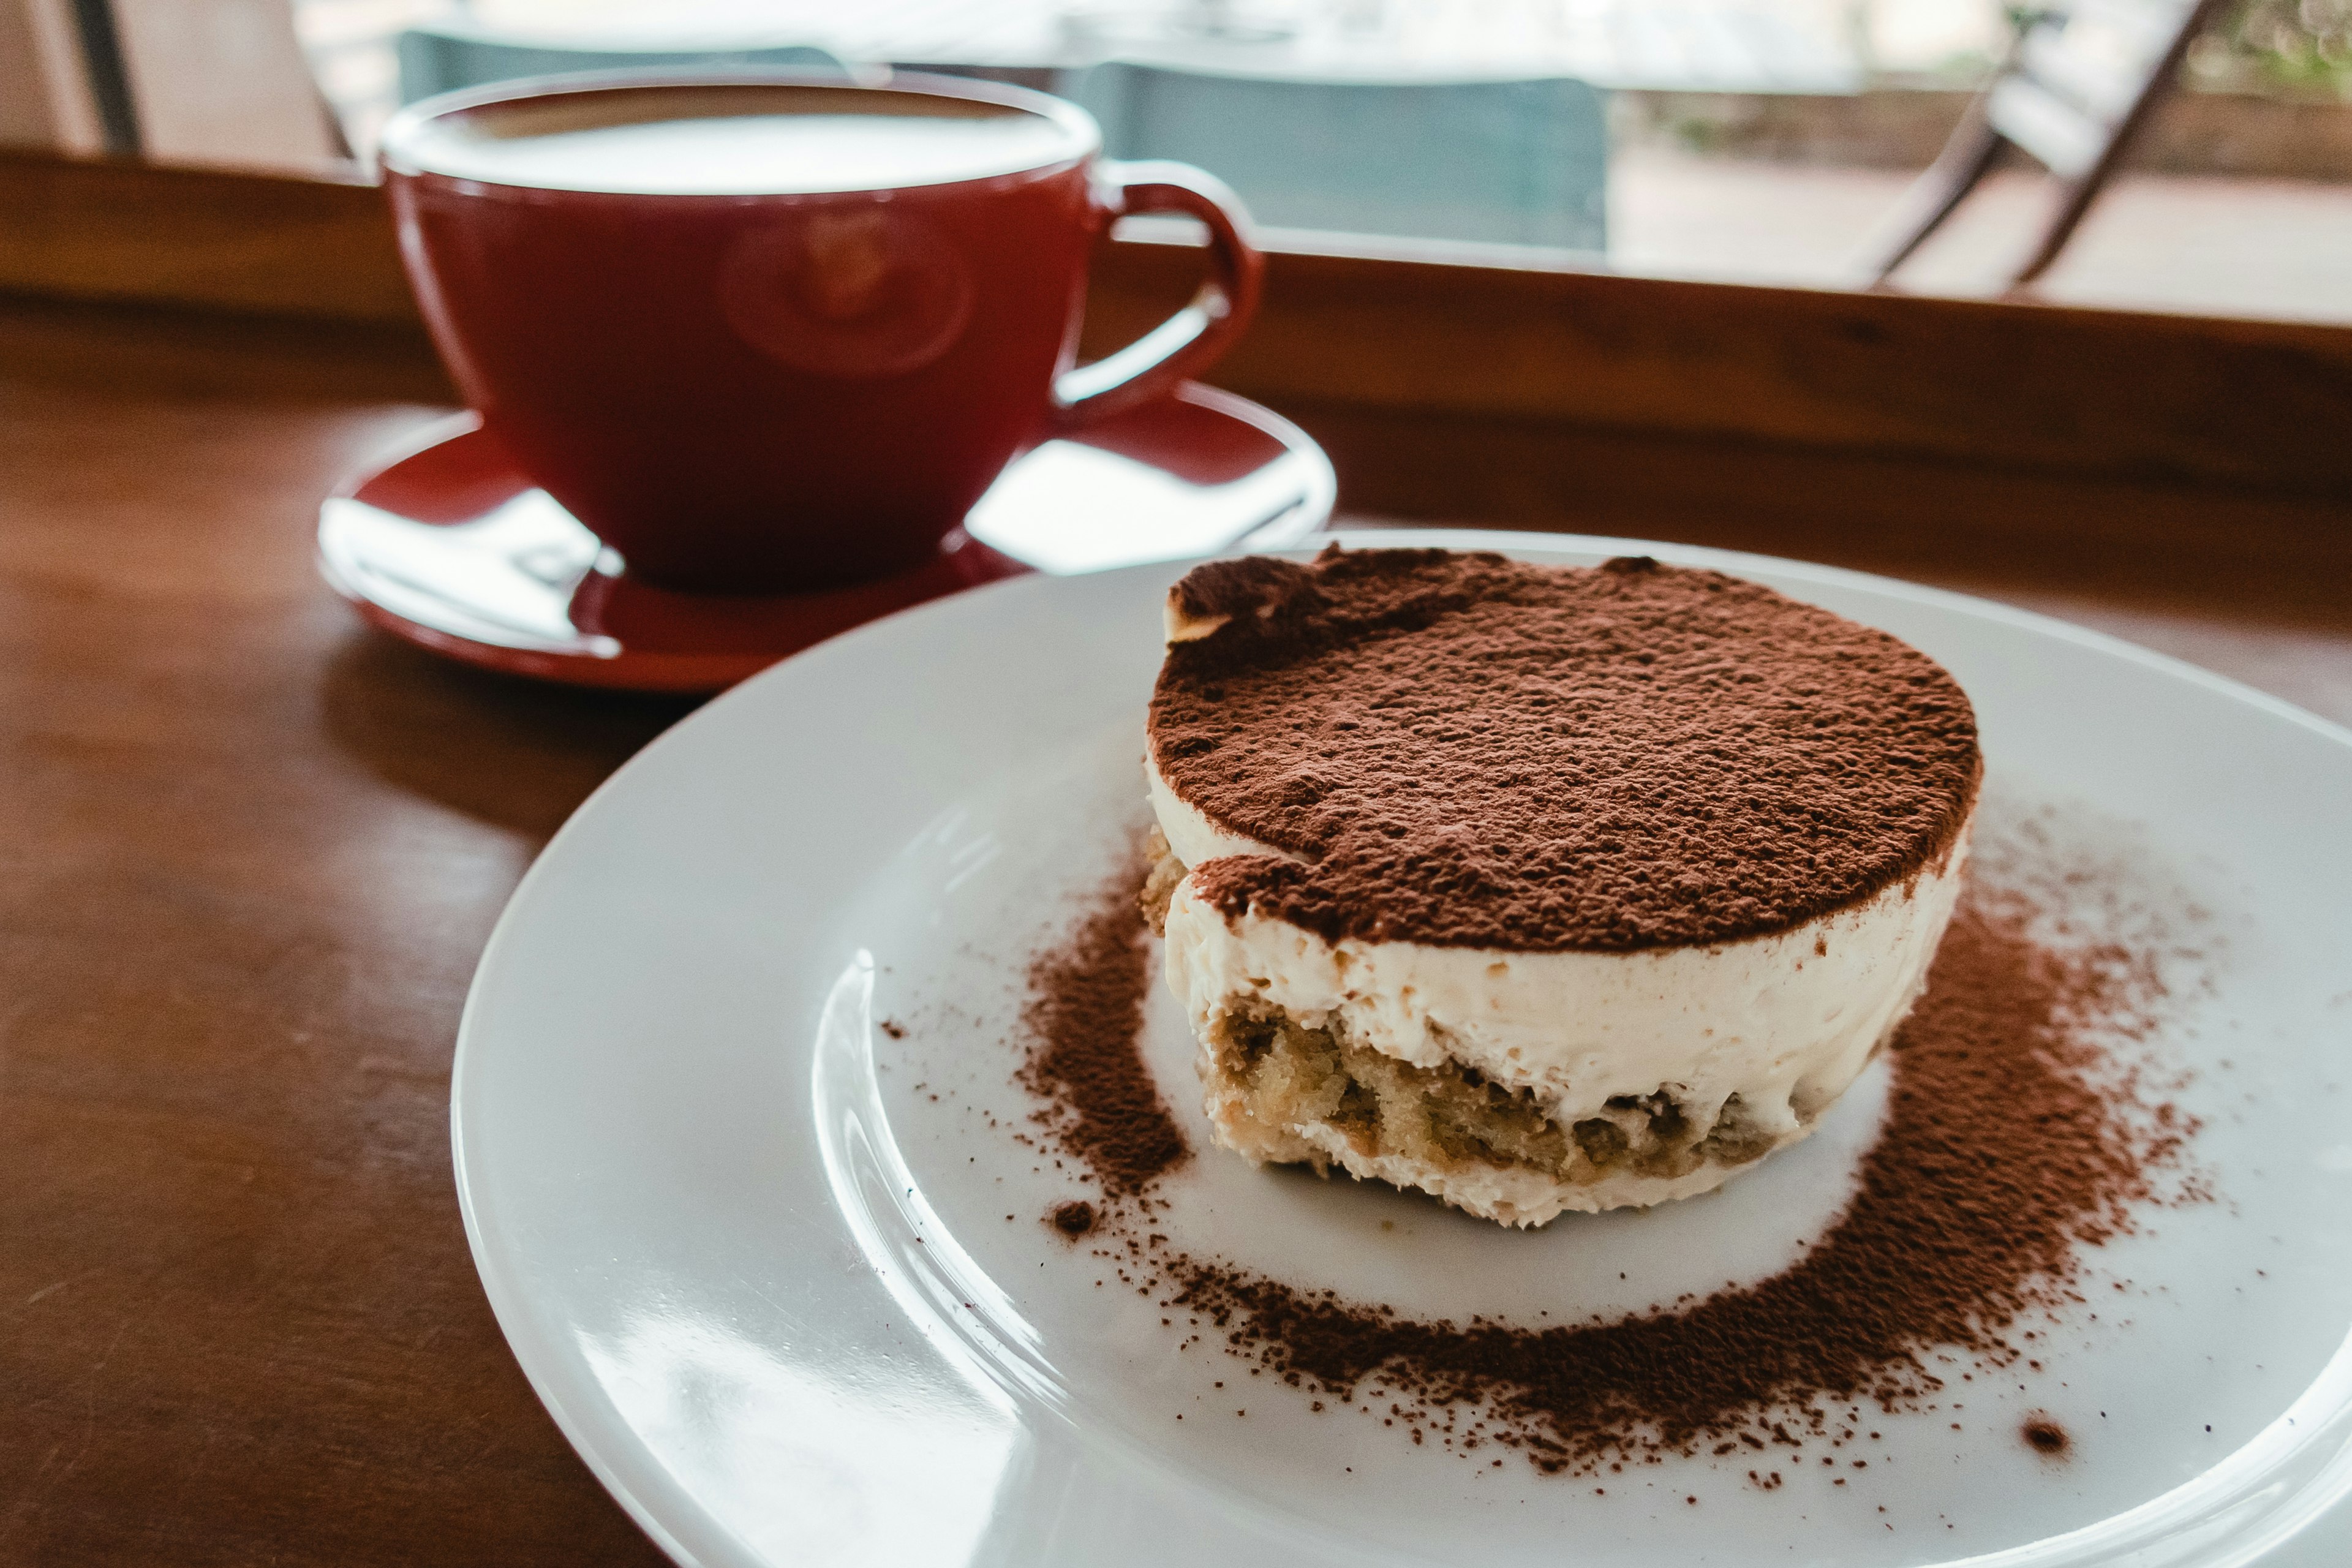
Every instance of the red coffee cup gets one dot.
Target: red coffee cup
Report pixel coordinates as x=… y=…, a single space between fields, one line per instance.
x=768 y=333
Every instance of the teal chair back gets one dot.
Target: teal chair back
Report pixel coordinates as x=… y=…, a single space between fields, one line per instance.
x=447 y=56
x=1522 y=161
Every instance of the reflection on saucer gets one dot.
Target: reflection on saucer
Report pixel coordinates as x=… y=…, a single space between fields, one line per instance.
x=1049 y=509
x=506 y=580
x=450 y=547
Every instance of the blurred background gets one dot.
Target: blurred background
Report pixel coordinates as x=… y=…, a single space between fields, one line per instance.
x=1775 y=140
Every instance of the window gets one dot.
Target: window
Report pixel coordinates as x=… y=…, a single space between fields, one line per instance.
x=1748 y=140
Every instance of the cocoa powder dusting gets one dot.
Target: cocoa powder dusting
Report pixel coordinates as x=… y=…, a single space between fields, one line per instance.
x=1468 y=751
x=2012 y=1139
x=2045 y=1436
x=1083 y=1058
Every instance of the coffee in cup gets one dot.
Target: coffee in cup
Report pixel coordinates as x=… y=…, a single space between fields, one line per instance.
x=763 y=332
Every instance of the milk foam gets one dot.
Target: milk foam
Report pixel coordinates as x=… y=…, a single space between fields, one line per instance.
x=733 y=139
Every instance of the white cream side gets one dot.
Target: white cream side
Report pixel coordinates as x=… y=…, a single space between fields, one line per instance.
x=1192 y=836
x=1785 y=1022
x=1784 y=1027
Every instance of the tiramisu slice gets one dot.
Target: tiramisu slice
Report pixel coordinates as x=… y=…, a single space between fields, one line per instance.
x=1542 y=888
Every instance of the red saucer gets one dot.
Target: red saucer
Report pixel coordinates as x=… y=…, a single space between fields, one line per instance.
x=448 y=546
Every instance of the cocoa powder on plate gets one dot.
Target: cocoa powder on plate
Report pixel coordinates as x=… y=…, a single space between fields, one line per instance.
x=2011 y=1141
x=1083 y=1058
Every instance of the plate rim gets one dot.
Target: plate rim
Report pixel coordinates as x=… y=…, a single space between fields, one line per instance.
x=637 y=1486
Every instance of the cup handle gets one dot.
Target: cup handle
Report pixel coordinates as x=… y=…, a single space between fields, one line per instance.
x=1192 y=338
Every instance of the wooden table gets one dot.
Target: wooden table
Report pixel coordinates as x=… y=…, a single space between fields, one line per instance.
x=252 y=852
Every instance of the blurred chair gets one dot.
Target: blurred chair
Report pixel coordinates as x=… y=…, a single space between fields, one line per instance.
x=1523 y=162
x=446 y=56
x=2080 y=80
x=193 y=81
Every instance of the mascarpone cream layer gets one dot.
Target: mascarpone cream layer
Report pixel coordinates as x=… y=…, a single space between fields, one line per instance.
x=1785 y=1022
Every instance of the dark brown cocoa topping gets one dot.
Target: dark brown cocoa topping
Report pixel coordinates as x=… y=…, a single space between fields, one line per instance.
x=1258 y=586
x=1468 y=751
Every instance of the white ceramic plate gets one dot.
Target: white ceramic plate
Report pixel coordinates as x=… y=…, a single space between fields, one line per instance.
x=754 y=1252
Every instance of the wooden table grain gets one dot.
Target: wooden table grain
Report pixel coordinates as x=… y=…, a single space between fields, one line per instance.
x=251 y=853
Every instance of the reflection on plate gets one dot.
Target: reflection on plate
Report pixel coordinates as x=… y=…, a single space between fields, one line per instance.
x=741 y=1162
